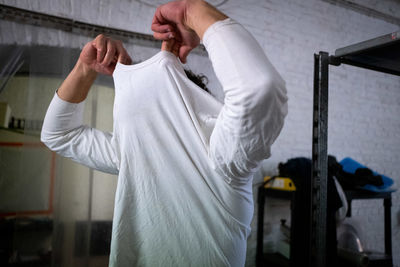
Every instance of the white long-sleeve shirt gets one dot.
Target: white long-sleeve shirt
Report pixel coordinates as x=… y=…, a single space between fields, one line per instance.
x=184 y=160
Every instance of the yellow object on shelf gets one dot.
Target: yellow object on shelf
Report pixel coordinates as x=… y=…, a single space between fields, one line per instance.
x=280 y=183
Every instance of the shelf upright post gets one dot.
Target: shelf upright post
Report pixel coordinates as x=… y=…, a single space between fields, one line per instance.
x=260 y=227
x=319 y=179
x=387 y=202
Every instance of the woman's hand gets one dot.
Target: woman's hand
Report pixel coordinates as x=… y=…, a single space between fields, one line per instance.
x=98 y=56
x=169 y=22
x=185 y=21
x=102 y=54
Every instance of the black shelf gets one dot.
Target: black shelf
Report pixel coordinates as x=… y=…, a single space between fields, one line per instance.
x=380 y=54
x=364 y=194
x=377 y=258
x=275 y=260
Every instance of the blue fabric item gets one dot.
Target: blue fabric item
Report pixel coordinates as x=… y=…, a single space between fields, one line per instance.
x=350 y=165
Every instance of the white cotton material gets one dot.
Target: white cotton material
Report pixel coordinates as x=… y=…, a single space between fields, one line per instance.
x=184 y=160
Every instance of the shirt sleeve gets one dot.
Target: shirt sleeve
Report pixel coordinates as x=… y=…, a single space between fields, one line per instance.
x=64 y=133
x=255 y=102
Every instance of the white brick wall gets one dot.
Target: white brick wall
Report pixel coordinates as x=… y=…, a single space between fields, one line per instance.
x=364 y=121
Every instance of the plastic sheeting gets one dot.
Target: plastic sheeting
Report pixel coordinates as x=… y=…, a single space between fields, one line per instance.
x=53 y=211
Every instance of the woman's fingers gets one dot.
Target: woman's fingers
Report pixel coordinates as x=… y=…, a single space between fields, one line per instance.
x=122 y=55
x=100 y=43
x=167 y=45
x=158 y=23
x=175 y=49
x=110 y=52
x=184 y=52
x=164 y=36
x=171 y=46
x=107 y=53
x=162 y=28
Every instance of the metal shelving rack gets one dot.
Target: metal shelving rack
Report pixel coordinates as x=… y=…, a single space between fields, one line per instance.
x=380 y=54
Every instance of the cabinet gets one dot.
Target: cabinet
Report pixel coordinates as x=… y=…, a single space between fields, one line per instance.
x=297 y=246
x=377 y=258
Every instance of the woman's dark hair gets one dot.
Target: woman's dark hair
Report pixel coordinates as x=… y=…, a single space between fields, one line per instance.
x=201 y=80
